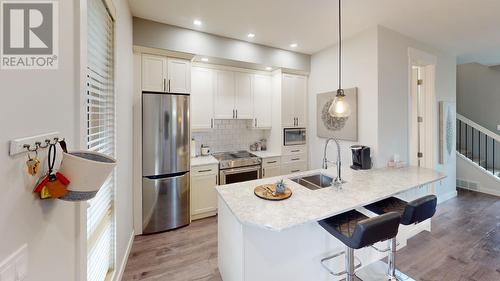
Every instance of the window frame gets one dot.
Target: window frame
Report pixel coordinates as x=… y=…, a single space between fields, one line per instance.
x=81 y=12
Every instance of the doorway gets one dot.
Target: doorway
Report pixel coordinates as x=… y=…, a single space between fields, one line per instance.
x=422 y=109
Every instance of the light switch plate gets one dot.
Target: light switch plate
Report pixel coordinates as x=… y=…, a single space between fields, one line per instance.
x=498 y=127
x=15 y=267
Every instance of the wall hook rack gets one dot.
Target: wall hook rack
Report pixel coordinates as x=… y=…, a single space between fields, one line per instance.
x=34 y=143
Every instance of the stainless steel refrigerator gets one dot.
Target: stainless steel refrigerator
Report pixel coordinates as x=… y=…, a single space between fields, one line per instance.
x=165 y=161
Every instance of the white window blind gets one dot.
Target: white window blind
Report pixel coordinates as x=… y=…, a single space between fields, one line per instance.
x=100 y=137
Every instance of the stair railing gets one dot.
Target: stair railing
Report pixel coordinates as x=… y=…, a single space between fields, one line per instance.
x=477 y=143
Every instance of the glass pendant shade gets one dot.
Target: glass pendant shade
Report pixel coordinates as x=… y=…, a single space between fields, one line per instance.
x=340 y=107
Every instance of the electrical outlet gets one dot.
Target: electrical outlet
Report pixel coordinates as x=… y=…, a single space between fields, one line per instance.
x=15 y=267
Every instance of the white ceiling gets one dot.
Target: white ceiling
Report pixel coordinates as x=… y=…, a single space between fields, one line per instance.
x=462 y=27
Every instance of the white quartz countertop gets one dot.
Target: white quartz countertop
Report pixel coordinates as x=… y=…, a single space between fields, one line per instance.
x=265 y=154
x=203 y=160
x=305 y=205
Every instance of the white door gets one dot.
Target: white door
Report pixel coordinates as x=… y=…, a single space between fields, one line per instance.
x=154 y=73
x=203 y=194
x=224 y=95
x=202 y=98
x=244 y=97
x=179 y=76
x=288 y=101
x=262 y=101
x=300 y=100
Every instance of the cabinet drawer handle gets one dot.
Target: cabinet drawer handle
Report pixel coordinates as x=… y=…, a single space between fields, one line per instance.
x=204 y=171
x=271 y=162
x=295 y=159
x=295 y=171
x=296 y=150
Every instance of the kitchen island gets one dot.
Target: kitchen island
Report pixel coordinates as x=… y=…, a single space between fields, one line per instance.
x=281 y=240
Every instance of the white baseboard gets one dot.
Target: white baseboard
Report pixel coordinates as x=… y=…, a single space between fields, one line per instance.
x=119 y=271
x=447 y=196
x=484 y=190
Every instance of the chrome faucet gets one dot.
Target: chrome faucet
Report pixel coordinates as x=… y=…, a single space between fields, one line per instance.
x=338 y=180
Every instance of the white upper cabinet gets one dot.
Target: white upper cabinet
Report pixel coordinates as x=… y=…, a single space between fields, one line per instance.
x=288 y=101
x=154 y=72
x=179 y=78
x=262 y=101
x=224 y=95
x=202 y=98
x=294 y=101
x=243 y=96
x=236 y=95
x=301 y=100
x=162 y=74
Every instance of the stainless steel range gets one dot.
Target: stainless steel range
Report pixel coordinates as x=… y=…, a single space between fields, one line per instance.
x=238 y=166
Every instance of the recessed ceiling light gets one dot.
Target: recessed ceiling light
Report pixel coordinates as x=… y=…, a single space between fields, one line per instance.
x=197 y=22
x=268 y=68
x=204 y=59
x=294 y=45
x=251 y=35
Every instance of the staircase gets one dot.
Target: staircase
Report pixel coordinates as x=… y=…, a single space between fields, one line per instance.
x=480 y=148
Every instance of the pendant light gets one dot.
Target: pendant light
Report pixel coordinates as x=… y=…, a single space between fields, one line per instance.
x=340 y=107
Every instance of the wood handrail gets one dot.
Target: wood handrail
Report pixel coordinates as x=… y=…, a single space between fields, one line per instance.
x=478 y=127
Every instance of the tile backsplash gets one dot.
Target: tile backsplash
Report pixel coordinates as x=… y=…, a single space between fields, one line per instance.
x=229 y=135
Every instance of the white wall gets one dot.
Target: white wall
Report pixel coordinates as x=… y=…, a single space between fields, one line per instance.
x=376 y=61
x=124 y=137
x=163 y=36
x=359 y=62
x=467 y=171
x=478 y=94
x=393 y=68
x=36 y=102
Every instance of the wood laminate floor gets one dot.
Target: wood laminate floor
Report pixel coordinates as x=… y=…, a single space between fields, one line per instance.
x=464 y=245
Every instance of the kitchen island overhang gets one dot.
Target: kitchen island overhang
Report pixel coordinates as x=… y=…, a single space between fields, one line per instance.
x=281 y=240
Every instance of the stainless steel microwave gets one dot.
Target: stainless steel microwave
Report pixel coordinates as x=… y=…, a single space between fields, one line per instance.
x=294 y=136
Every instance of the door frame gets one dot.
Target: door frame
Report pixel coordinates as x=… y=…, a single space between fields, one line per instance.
x=427 y=64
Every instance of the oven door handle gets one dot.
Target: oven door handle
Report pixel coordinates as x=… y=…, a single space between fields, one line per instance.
x=240 y=170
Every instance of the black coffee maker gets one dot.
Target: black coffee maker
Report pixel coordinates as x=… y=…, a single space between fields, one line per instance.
x=361 y=159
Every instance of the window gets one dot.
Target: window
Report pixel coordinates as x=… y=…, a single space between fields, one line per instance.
x=100 y=137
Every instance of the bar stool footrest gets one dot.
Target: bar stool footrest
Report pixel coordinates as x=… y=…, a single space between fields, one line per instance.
x=323 y=260
x=378 y=271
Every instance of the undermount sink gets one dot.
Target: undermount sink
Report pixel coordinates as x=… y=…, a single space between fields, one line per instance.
x=314 y=182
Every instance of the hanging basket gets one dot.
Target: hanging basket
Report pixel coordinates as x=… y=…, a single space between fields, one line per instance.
x=87 y=172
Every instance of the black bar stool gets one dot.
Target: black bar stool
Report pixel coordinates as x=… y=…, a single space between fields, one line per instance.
x=357 y=231
x=411 y=212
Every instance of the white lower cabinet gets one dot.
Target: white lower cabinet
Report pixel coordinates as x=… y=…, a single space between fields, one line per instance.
x=294 y=159
x=271 y=167
x=293 y=167
x=203 y=193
